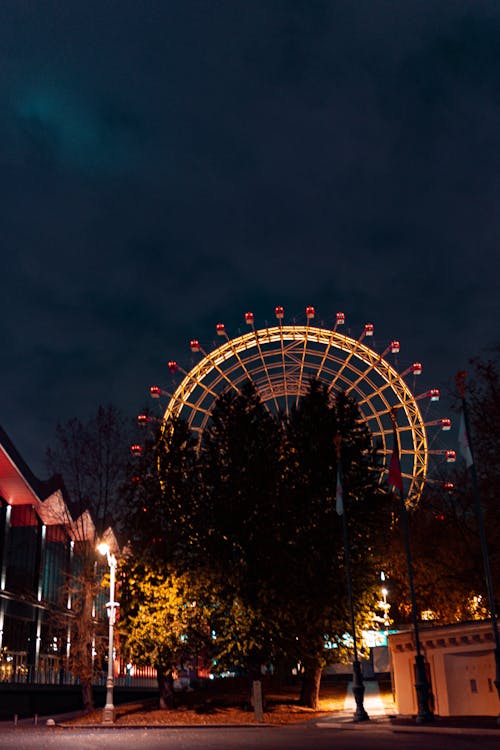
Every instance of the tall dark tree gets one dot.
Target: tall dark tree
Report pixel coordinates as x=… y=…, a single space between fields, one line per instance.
x=91 y=459
x=312 y=557
x=163 y=496
x=447 y=556
x=239 y=467
x=167 y=594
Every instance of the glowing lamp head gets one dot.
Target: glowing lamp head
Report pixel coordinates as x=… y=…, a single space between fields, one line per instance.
x=279 y=312
x=369 y=329
x=310 y=313
x=103 y=548
x=394 y=347
x=340 y=318
x=249 y=318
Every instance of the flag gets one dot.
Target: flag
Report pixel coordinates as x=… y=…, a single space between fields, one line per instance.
x=395 y=479
x=463 y=442
x=339 y=495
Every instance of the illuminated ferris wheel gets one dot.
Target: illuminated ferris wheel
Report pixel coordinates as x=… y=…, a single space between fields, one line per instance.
x=280 y=360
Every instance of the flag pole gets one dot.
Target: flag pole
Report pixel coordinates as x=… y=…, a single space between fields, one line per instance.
x=470 y=464
x=358 y=688
x=422 y=688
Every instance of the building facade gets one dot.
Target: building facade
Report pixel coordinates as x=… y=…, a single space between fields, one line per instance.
x=41 y=547
x=460 y=664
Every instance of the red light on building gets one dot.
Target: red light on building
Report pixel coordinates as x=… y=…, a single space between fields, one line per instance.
x=369 y=329
x=221 y=329
x=173 y=366
x=155 y=391
x=310 y=313
x=394 y=347
x=340 y=318
x=249 y=318
x=195 y=345
x=279 y=312
x=416 y=368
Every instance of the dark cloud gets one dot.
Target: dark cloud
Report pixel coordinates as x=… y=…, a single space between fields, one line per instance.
x=166 y=166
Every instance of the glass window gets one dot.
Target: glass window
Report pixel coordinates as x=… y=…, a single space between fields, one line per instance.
x=22 y=549
x=55 y=564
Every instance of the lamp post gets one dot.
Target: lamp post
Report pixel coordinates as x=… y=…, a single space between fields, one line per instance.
x=358 y=688
x=108 y=715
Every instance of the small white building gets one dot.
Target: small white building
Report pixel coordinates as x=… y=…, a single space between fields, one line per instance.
x=460 y=665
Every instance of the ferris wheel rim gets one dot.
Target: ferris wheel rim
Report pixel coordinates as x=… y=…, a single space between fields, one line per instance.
x=307 y=334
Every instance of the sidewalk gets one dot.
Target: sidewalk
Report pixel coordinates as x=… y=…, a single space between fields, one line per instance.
x=381 y=719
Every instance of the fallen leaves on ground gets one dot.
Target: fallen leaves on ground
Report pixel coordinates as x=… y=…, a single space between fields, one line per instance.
x=282 y=707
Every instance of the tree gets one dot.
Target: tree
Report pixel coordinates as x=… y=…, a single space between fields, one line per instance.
x=254 y=514
x=164 y=621
x=162 y=496
x=446 y=552
x=311 y=560
x=269 y=489
x=239 y=468
x=91 y=457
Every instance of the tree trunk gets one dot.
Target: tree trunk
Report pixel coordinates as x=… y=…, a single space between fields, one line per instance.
x=311 y=681
x=83 y=645
x=87 y=696
x=166 y=687
x=255 y=675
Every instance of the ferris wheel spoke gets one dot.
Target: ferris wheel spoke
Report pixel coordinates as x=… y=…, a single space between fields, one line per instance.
x=339 y=321
x=261 y=356
x=393 y=348
x=279 y=315
x=208 y=391
x=367 y=331
x=309 y=316
x=219 y=370
x=240 y=361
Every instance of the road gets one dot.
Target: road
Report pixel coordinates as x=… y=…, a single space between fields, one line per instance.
x=310 y=737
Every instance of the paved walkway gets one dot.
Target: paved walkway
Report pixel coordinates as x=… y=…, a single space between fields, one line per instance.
x=372 y=701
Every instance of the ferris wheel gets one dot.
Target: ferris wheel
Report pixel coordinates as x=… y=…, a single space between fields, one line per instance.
x=280 y=360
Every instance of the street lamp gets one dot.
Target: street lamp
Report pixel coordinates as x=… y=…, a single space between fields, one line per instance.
x=108 y=715
x=358 y=688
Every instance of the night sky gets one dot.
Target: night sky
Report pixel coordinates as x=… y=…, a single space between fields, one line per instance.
x=170 y=164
